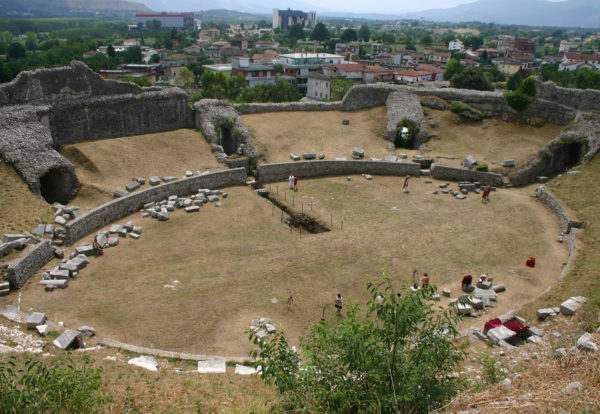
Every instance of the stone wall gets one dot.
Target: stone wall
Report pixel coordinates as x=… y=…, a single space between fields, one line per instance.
x=268 y=173
x=113 y=116
x=48 y=85
x=566 y=223
x=576 y=143
x=441 y=172
x=584 y=99
x=121 y=207
x=26 y=143
x=400 y=105
x=213 y=114
x=259 y=108
x=36 y=256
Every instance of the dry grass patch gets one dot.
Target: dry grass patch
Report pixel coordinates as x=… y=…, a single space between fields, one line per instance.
x=278 y=134
x=107 y=164
x=487 y=141
x=19 y=207
x=232 y=261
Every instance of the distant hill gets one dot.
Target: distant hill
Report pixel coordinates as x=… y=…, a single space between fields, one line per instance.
x=571 y=13
x=69 y=8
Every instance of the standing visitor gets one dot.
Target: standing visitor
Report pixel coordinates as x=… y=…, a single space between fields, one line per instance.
x=339 y=302
x=291 y=181
x=295 y=183
x=405 y=185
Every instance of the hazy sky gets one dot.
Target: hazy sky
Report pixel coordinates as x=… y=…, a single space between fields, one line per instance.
x=378 y=6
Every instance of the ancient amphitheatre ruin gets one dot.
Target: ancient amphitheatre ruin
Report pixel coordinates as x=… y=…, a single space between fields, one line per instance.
x=193 y=283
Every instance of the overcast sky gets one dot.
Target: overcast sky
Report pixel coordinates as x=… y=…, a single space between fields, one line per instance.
x=386 y=6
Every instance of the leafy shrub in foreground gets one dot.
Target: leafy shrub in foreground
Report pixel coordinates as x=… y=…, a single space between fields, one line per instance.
x=57 y=386
x=397 y=357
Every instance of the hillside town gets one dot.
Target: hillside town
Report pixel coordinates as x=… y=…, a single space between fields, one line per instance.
x=322 y=59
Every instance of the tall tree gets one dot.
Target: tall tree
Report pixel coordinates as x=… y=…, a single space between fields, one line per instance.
x=296 y=32
x=349 y=35
x=471 y=78
x=320 y=33
x=185 y=79
x=364 y=33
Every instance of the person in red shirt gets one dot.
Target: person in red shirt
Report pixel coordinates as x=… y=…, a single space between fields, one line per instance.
x=485 y=197
x=405 y=185
x=295 y=183
x=339 y=302
x=467 y=284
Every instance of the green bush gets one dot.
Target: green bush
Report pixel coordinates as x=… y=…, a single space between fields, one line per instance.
x=518 y=100
x=397 y=357
x=528 y=87
x=465 y=110
x=408 y=140
x=482 y=167
x=58 y=386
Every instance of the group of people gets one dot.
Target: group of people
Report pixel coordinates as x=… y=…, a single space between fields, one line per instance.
x=467 y=282
x=293 y=182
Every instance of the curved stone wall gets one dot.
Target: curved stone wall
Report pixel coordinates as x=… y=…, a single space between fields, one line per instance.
x=583 y=99
x=121 y=207
x=122 y=115
x=26 y=143
x=566 y=223
x=48 y=85
x=441 y=172
x=20 y=270
x=268 y=173
x=214 y=113
x=259 y=108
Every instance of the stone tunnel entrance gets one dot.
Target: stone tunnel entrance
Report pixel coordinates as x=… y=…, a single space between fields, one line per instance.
x=59 y=184
x=228 y=140
x=566 y=156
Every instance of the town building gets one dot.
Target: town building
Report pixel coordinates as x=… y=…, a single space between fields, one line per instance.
x=284 y=19
x=243 y=43
x=456 y=45
x=179 y=21
x=224 y=68
x=254 y=73
x=299 y=65
x=523 y=44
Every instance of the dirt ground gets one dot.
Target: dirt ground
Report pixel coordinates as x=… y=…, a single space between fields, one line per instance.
x=104 y=165
x=491 y=141
x=278 y=134
x=231 y=262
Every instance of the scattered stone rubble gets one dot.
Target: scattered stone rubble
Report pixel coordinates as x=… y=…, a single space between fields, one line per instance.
x=70 y=268
x=262 y=327
x=160 y=210
x=464 y=188
x=567 y=308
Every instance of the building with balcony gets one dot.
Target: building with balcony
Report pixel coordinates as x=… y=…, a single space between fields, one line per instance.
x=254 y=73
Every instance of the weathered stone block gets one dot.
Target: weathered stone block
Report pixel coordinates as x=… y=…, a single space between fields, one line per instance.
x=68 y=339
x=144 y=361
x=309 y=156
x=446 y=292
x=544 y=313
x=244 y=370
x=87 y=331
x=86 y=249
x=499 y=288
x=59 y=283
x=35 y=319
x=501 y=333
x=60 y=220
x=212 y=367
x=586 y=343
x=132 y=186
x=154 y=180
x=169 y=179
x=119 y=192
x=60 y=274
x=358 y=152
x=113 y=241
x=569 y=307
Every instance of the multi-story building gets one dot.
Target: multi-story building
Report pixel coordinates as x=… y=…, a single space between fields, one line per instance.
x=179 y=21
x=244 y=43
x=299 y=65
x=254 y=73
x=523 y=44
x=456 y=45
x=283 y=19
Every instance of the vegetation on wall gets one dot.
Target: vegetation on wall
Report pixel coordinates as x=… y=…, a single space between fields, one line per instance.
x=520 y=99
x=406 y=140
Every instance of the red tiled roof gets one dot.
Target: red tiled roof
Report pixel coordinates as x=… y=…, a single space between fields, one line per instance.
x=431 y=68
x=413 y=72
x=350 y=67
x=580 y=56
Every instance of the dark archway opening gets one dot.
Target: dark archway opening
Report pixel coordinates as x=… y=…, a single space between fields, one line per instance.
x=228 y=141
x=565 y=156
x=58 y=185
